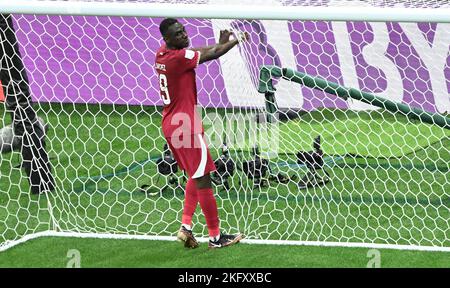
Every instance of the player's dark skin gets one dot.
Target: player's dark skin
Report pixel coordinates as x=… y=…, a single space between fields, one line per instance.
x=177 y=38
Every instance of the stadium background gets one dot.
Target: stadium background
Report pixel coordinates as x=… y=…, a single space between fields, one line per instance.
x=109 y=60
x=88 y=59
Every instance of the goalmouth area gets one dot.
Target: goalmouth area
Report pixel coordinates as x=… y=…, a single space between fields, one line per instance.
x=92 y=80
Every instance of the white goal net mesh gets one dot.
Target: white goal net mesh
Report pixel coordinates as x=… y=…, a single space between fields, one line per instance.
x=379 y=176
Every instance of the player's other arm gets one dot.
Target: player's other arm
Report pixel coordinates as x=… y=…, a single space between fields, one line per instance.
x=215 y=51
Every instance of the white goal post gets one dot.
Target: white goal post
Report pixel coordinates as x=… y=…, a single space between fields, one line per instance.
x=390 y=184
x=221 y=11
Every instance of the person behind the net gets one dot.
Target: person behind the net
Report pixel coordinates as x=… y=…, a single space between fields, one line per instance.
x=182 y=127
x=26 y=125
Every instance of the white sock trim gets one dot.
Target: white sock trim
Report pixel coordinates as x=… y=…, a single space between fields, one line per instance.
x=188 y=227
x=214 y=239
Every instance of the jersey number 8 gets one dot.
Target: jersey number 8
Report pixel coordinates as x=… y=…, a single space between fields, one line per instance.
x=163 y=87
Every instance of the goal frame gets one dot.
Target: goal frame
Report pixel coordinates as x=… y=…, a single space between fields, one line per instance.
x=260 y=12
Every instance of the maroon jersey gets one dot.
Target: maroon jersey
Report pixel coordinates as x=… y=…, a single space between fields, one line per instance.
x=178 y=91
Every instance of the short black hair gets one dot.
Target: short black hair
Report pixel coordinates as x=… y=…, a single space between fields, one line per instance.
x=165 y=24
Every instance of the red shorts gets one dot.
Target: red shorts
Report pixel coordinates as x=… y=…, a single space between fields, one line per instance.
x=192 y=154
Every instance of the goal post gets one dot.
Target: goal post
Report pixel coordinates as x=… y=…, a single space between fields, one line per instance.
x=266 y=11
x=308 y=167
x=266 y=86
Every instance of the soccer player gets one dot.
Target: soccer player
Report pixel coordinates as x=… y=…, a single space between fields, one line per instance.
x=182 y=128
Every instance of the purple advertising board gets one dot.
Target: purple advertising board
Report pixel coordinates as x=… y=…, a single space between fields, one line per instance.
x=87 y=59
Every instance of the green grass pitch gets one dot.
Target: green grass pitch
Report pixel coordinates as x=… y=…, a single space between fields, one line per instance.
x=389 y=185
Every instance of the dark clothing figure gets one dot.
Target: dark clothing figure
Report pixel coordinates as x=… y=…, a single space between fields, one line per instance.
x=18 y=103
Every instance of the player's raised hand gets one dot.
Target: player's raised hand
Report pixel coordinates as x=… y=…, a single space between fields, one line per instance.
x=244 y=36
x=241 y=36
x=224 y=36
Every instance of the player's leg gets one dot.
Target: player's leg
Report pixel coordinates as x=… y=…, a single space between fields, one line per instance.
x=197 y=161
x=191 y=199
x=206 y=197
x=208 y=204
x=190 y=204
x=209 y=208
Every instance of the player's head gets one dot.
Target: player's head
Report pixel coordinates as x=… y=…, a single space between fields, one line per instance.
x=174 y=33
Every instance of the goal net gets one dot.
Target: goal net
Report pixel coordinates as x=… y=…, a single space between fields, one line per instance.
x=297 y=163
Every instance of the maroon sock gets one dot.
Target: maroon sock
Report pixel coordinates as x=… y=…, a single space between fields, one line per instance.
x=190 y=202
x=209 y=208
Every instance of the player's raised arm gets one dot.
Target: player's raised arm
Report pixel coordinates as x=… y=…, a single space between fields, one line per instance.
x=225 y=44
